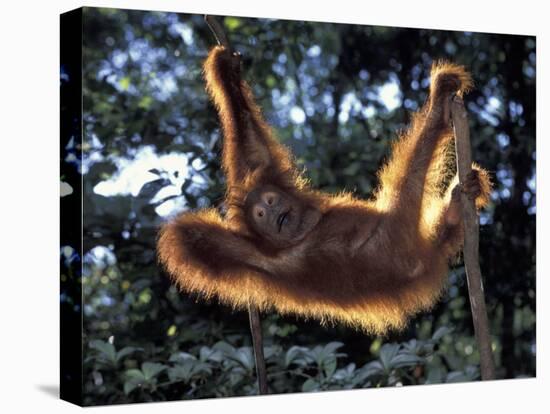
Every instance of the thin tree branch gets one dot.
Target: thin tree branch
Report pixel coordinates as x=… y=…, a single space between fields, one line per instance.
x=471 y=241
x=253 y=312
x=257 y=343
x=218 y=31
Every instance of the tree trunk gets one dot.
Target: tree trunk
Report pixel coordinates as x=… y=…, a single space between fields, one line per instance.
x=471 y=242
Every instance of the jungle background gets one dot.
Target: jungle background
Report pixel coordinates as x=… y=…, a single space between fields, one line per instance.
x=336 y=95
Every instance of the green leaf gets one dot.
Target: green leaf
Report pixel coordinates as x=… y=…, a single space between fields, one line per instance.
x=134 y=379
x=272 y=351
x=208 y=354
x=368 y=371
x=189 y=368
x=245 y=357
x=317 y=353
x=181 y=371
x=331 y=347
x=387 y=354
x=310 y=385
x=412 y=346
x=224 y=347
x=181 y=357
x=293 y=353
x=435 y=375
x=126 y=351
x=270 y=81
x=152 y=369
x=441 y=332
x=135 y=374
x=352 y=169
x=345 y=374
x=471 y=372
x=233 y=23
x=406 y=360
x=124 y=83
x=151 y=188
x=145 y=102
x=329 y=366
x=106 y=349
x=456 y=376
x=129 y=386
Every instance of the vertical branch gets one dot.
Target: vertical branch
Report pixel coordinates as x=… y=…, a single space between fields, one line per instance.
x=253 y=312
x=217 y=30
x=257 y=343
x=471 y=241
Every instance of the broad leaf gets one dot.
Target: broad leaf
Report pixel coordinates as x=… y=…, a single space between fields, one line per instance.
x=406 y=360
x=126 y=351
x=152 y=369
x=440 y=333
x=329 y=366
x=106 y=349
x=387 y=353
x=310 y=385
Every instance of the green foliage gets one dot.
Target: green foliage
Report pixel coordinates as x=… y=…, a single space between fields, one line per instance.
x=224 y=369
x=108 y=355
x=143 y=89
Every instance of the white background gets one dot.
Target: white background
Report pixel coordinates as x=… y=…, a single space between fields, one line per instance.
x=29 y=132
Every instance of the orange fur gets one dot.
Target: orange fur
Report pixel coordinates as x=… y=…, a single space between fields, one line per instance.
x=368 y=264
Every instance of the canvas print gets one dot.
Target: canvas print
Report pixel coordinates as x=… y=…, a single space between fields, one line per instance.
x=260 y=206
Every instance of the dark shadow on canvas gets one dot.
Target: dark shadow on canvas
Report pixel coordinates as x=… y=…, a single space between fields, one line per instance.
x=49 y=389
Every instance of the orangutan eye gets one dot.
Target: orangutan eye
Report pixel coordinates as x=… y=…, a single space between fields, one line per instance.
x=260 y=213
